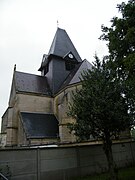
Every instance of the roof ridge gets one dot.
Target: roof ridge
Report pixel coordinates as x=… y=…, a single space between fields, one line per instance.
x=31 y=83
x=29 y=74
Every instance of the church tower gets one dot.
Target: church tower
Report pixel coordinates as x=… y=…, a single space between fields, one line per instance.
x=38 y=104
x=61 y=59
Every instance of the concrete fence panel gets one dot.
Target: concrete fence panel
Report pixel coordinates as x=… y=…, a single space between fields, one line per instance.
x=61 y=163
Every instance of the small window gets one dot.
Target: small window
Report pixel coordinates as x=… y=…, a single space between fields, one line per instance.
x=69 y=65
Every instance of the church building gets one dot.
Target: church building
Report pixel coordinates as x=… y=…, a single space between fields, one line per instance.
x=38 y=104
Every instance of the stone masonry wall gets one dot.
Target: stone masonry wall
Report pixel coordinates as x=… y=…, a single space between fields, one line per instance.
x=61 y=105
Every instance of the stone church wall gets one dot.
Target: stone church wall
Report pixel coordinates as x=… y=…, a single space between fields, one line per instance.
x=12 y=124
x=61 y=105
x=32 y=103
x=4 y=122
x=23 y=102
x=22 y=140
x=35 y=103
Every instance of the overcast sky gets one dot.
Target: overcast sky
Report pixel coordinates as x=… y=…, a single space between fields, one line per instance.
x=27 y=28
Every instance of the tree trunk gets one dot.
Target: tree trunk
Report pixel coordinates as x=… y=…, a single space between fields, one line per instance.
x=107 y=146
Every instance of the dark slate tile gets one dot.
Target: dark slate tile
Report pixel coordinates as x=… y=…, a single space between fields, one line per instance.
x=38 y=125
x=31 y=83
x=62 y=45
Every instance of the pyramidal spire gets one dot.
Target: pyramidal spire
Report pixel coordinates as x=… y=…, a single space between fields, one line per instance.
x=62 y=45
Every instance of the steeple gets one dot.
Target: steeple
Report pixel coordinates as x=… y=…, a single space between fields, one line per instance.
x=61 y=59
x=62 y=45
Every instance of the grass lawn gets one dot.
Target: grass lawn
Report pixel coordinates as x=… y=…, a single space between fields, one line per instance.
x=123 y=174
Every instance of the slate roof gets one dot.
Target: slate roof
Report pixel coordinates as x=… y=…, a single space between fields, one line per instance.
x=25 y=82
x=75 y=75
x=62 y=45
x=40 y=125
x=83 y=67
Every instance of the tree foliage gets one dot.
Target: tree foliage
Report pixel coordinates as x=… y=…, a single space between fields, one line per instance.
x=100 y=108
x=121 y=44
x=105 y=106
x=121 y=36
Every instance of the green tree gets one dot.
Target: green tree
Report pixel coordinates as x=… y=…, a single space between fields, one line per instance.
x=120 y=39
x=105 y=106
x=121 y=36
x=100 y=109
